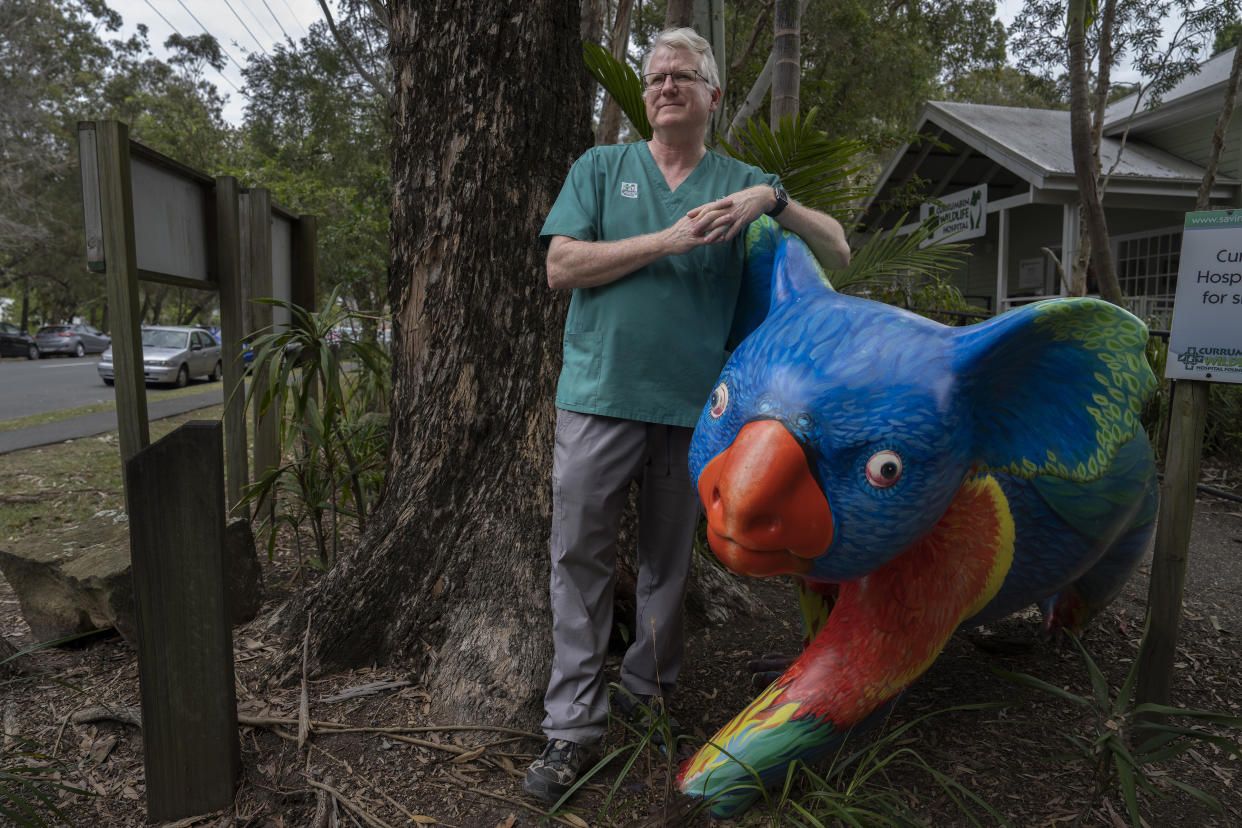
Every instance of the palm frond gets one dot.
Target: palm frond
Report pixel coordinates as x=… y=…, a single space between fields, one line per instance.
x=620 y=81
x=816 y=169
x=890 y=254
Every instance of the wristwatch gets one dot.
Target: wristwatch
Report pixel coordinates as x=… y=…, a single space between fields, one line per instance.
x=782 y=200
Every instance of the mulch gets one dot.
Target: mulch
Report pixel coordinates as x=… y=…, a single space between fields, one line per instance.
x=370 y=755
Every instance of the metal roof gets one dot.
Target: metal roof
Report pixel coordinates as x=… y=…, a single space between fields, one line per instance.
x=1014 y=150
x=1198 y=95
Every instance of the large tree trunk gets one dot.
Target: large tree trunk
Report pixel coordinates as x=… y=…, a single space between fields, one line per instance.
x=451 y=575
x=786 y=60
x=1084 y=158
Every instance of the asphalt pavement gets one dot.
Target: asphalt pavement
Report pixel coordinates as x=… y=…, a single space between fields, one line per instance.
x=88 y=425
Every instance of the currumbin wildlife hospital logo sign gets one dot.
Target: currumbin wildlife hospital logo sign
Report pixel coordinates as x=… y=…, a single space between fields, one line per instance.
x=961 y=215
x=1205 y=339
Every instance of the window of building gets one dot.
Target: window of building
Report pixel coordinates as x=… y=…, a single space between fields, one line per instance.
x=1147 y=271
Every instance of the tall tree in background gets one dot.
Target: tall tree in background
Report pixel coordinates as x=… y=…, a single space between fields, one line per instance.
x=1084 y=39
x=317 y=134
x=1085 y=146
x=786 y=60
x=56 y=68
x=610 y=118
x=452 y=571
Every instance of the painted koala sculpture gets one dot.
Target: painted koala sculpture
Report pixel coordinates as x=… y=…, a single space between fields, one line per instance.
x=915 y=478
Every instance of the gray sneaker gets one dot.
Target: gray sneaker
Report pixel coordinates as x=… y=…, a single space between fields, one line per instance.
x=555 y=771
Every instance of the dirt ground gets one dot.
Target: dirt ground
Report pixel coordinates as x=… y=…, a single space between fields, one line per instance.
x=372 y=757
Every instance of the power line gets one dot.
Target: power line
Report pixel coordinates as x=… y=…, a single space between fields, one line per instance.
x=295 y=16
x=240 y=68
x=255 y=18
x=244 y=26
x=277 y=19
x=178 y=31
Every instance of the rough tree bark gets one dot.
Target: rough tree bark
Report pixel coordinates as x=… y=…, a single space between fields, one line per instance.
x=786 y=60
x=610 y=118
x=1103 y=81
x=1084 y=164
x=451 y=576
x=679 y=13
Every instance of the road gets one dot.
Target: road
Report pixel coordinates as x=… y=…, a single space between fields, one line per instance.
x=58 y=383
x=39 y=386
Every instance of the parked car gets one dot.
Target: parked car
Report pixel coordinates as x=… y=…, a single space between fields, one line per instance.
x=172 y=354
x=74 y=340
x=16 y=342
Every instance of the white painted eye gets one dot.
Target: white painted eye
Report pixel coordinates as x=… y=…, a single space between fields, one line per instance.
x=719 y=402
x=884 y=469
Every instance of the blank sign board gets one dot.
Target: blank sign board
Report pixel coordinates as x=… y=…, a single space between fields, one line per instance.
x=282 y=268
x=170 y=226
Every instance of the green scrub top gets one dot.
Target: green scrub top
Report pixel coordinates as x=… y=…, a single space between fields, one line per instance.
x=650 y=345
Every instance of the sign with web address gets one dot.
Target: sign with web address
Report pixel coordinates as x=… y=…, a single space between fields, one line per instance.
x=1205 y=339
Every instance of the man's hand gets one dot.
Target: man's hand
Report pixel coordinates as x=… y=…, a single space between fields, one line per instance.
x=722 y=220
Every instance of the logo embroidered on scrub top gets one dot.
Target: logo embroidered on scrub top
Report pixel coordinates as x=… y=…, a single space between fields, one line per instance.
x=629 y=189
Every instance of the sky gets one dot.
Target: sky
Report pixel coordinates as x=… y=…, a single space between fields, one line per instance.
x=242 y=27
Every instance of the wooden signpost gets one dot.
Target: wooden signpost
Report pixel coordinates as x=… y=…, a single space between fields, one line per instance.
x=149 y=217
x=185 y=643
x=1205 y=346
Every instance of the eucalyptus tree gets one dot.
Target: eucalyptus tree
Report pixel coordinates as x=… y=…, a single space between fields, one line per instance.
x=59 y=65
x=317 y=134
x=867 y=65
x=1085 y=40
x=491 y=107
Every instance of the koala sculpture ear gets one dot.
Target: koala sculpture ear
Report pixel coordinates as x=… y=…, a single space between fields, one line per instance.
x=1055 y=387
x=767 y=251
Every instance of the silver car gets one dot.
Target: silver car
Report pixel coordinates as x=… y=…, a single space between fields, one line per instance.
x=172 y=354
x=73 y=340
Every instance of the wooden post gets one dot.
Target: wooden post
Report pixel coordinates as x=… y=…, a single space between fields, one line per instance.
x=304 y=286
x=116 y=202
x=232 y=330
x=1187 y=414
x=266 y=439
x=305 y=282
x=185 y=647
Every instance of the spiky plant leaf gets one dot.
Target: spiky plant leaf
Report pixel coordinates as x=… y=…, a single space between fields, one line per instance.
x=818 y=170
x=621 y=82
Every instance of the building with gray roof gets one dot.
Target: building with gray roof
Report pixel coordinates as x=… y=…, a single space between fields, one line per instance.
x=1017 y=165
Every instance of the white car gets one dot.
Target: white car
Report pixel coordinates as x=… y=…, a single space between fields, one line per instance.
x=172 y=354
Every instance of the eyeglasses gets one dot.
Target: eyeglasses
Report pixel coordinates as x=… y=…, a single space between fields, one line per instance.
x=654 y=81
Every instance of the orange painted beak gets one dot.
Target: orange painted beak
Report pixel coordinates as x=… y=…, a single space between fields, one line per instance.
x=766 y=514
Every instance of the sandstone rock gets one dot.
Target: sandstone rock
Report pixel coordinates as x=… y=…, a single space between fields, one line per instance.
x=74 y=580
x=77 y=579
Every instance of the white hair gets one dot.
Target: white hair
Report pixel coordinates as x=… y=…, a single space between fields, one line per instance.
x=687 y=40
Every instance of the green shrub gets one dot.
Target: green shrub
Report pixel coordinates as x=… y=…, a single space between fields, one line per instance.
x=1126 y=744
x=331 y=392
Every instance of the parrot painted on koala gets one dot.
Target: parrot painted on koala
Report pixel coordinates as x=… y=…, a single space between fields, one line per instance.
x=915 y=478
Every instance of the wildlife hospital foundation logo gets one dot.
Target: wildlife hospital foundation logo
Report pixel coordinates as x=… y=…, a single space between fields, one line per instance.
x=1211 y=359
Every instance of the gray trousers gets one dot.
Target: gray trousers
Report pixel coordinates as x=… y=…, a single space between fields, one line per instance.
x=595 y=460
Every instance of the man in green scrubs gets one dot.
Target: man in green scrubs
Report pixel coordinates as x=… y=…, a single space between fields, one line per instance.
x=650 y=238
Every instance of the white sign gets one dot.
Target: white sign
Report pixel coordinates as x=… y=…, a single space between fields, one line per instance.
x=962 y=215
x=1205 y=340
x=1031 y=275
